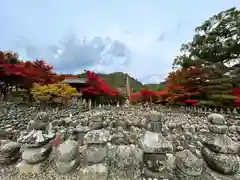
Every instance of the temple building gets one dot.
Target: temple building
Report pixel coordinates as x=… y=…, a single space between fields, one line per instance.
x=75 y=82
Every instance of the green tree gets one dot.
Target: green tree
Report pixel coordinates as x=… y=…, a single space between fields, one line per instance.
x=216 y=40
x=216 y=46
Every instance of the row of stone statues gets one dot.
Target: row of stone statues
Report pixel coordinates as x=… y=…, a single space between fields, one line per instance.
x=219 y=153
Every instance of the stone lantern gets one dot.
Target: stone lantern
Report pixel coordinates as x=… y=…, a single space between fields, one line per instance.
x=157 y=151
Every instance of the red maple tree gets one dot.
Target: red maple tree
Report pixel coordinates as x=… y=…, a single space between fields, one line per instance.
x=146 y=95
x=185 y=84
x=95 y=85
x=24 y=73
x=236 y=93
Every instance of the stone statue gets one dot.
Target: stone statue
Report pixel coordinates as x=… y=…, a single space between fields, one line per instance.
x=219 y=151
x=157 y=151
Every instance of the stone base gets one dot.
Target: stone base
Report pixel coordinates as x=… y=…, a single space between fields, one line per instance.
x=94 y=154
x=127 y=174
x=96 y=171
x=223 y=163
x=146 y=174
x=182 y=176
x=26 y=168
x=66 y=167
x=213 y=175
x=209 y=174
x=10 y=160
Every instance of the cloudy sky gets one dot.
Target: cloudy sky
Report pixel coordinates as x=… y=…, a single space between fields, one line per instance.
x=140 y=37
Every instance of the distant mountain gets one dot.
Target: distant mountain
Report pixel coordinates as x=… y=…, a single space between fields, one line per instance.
x=153 y=86
x=118 y=80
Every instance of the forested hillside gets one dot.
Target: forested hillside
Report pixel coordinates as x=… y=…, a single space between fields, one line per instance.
x=118 y=79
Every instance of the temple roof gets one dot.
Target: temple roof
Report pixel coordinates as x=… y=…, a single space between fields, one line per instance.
x=74 y=80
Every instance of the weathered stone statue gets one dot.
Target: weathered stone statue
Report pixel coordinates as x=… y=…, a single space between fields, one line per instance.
x=220 y=152
x=157 y=152
x=94 y=155
x=67 y=156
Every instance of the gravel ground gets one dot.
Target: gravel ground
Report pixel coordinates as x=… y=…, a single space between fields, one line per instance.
x=10 y=173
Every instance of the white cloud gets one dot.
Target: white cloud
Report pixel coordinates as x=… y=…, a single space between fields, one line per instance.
x=140 y=55
x=149 y=56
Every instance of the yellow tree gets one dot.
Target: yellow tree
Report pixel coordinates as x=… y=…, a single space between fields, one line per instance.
x=58 y=93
